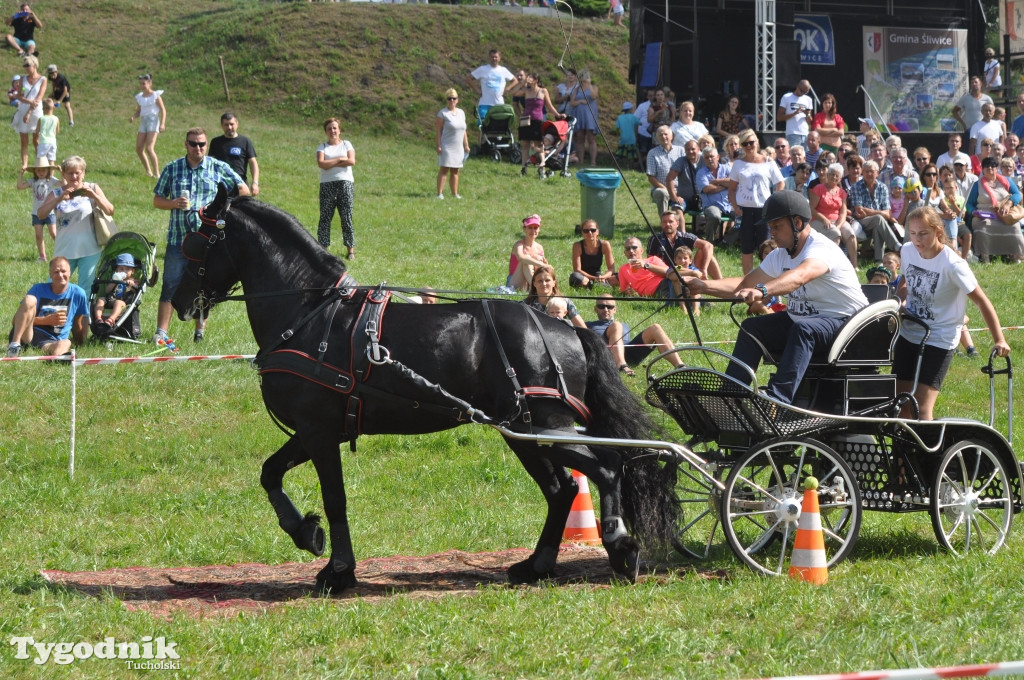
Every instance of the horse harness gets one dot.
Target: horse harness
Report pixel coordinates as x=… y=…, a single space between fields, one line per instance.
x=368 y=353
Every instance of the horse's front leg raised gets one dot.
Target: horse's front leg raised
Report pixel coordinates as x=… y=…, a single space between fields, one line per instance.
x=305 y=531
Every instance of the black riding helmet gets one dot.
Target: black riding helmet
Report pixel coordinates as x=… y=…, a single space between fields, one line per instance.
x=789 y=204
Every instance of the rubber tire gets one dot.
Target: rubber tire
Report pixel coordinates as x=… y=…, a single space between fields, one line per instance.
x=975 y=459
x=763 y=480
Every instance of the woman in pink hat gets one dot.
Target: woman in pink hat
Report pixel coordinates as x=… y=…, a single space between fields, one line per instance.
x=527 y=255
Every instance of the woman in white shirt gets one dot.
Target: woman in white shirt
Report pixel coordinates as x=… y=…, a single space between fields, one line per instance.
x=936 y=285
x=335 y=157
x=752 y=180
x=686 y=128
x=152 y=120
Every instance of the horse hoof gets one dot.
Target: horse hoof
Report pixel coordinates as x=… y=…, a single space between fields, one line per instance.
x=330 y=582
x=310 y=535
x=523 y=572
x=624 y=556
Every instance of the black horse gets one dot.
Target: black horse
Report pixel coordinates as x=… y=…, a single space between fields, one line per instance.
x=435 y=367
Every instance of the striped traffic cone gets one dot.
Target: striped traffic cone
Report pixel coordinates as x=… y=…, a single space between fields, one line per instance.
x=808 y=562
x=581 y=527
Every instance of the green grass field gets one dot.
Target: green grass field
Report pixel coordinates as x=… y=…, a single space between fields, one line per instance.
x=168 y=455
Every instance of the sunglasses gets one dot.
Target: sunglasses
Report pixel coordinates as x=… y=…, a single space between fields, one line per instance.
x=196 y=145
x=589 y=231
x=922 y=159
x=931 y=174
x=984 y=144
x=632 y=247
x=749 y=142
x=452 y=99
x=605 y=306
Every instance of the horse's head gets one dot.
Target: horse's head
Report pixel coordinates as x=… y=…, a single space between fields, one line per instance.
x=211 y=271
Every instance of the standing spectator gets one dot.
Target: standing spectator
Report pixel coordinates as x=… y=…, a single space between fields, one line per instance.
x=566 y=91
x=75 y=201
x=829 y=124
x=993 y=78
x=870 y=201
x=986 y=128
x=237 y=151
x=616 y=10
x=686 y=128
x=795 y=109
x=627 y=124
x=536 y=103
x=41 y=184
x=751 y=182
x=713 y=185
x=643 y=132
x=968 y=108
x=46 y=133
x=25 y=22
x=584 y=103
x=516 y=92
x=335 y=157
x=730 y=120
x=1017 y=126
x=588 y=254
x=660 y=160
x=60 y=90
x=49 y=313
x=490 y=80
x=451 y=141
x=186 y=185
x=30 y=107
x=660 y=112
x=152 y=121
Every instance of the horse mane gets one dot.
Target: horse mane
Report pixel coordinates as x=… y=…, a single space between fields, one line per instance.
x=295 y=254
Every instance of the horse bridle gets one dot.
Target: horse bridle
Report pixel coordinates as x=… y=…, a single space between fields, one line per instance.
x=203 y=303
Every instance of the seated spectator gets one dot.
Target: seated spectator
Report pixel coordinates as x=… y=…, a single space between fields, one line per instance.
x=49 y=313
x=527 y=255
x=879 y=275
x=627 y=352
x=659 y=163
x=870 y=201
x=799 y=179
x=543 y=287
x=797 y=155
x=644 y=277
x=588 y=254
x=663 y=245
x=829 y=211
x=990 y=199
x=25 y=23
x=913 y=199
x=891 y=261
x=118 y=293
x=713 y=185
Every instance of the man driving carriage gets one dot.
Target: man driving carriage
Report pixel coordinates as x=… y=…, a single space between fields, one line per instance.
x=822 y=290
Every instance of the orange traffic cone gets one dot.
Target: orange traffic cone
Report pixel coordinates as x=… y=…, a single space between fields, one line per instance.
x=808 y=562
x=581 y=527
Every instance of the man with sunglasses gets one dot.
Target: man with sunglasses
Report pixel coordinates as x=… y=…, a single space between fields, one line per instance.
x=627 y=351
x=185 y=186
x=646 y=277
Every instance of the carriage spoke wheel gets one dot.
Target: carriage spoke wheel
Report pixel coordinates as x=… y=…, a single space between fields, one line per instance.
x=762 y=501
x=699 y=521
x=971 y=504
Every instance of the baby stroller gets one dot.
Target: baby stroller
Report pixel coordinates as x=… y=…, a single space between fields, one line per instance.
x=498 y=134
x=126 y=328
x=557 y=136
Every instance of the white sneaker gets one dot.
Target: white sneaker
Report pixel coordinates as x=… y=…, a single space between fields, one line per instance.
x=160 y=337
x=440 y=197
x=13 y=350
x=457 y=196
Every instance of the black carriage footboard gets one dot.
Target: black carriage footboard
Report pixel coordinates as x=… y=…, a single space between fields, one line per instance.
x=711 y=406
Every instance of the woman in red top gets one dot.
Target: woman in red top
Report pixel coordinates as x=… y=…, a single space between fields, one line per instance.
x=829 y=124
x=829 y=211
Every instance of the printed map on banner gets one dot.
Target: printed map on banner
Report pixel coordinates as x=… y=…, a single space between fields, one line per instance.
x=915 y=76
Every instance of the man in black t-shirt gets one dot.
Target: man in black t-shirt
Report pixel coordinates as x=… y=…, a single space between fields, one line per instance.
x=25 y=23
x=61 y=91
x=237 y=151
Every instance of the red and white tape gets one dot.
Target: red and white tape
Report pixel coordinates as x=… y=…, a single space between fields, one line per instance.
x=135 y=360
x=988 y=670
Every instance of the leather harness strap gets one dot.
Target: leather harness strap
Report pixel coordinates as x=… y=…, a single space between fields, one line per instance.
x=520 y=395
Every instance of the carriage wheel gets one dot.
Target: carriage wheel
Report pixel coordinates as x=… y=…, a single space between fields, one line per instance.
x=762 y=501
x=972 y=505
x=700 y=518
x=515 y=155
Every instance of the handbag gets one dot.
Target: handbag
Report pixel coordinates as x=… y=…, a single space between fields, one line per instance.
x=1015 y=213
x=103 y=226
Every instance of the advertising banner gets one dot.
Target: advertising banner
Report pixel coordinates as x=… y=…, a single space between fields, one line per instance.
x=914 y=76
x=814 y=31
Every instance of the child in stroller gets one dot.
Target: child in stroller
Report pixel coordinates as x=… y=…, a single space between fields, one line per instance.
x=555 y=155
x=119 y=292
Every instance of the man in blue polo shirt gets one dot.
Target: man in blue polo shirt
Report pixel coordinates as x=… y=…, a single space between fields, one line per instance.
x=185 y=186
x=49 y=312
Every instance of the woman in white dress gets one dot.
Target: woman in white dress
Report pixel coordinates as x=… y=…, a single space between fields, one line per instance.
x=30 y=108
x=152 y=120
x=452 y=143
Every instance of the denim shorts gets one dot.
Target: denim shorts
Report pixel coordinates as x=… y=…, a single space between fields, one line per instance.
x=49 y=219
x=174 y=270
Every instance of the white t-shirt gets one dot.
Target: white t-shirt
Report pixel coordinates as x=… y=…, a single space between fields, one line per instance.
x=330 y=152
x=492 y=83
x=641 y=113
x=834 y=294
x=970 y=108
x=797 y=125
x=756 y=182
x=981 y=130
x=937 y=294
x=681 y=134
x=147 y=105
x=41 y=189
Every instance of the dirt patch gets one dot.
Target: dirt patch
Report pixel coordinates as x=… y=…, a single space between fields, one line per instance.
x=226 y=590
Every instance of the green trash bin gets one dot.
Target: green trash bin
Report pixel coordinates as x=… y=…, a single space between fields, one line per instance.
x=597 y=197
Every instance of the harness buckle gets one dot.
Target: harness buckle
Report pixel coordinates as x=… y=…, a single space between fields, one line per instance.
x=378 y=355
x=202 y=271
x=287 y=334
x=510 y=372
x=323 y=347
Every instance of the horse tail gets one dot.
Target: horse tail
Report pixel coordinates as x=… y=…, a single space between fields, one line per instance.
x=649 y=504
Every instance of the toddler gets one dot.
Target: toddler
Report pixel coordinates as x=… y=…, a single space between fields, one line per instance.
x=41 y=183
x=891 y=261
x=951 y=206
x=682 y=257
x=558 y=308
x=46 y=130
x=12 y=94
x=117 y=290
x=627 y=124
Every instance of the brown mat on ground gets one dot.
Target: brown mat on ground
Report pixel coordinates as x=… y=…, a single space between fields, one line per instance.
x=225 y=590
